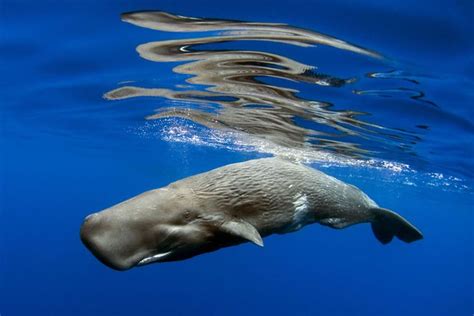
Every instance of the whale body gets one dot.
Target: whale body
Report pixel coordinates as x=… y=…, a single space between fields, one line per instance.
x=237 y=203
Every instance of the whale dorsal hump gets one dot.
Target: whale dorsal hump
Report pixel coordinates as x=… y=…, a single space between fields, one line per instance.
x=242 y=229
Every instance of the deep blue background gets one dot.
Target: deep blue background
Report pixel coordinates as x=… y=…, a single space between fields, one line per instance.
x=65 y=152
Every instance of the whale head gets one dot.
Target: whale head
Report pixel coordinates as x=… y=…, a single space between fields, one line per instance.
x=160 y=225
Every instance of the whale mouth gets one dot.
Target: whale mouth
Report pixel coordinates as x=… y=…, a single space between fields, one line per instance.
x=153 y=258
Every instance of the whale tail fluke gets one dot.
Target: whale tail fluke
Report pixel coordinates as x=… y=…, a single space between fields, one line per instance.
x=386 y=224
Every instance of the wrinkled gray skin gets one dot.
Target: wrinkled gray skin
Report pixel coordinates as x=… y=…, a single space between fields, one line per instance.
x=227 y=206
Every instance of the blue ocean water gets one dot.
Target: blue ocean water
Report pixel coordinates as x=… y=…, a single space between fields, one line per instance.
x=91 y=117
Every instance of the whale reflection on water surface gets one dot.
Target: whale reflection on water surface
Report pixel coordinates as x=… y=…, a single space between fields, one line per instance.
x=253 y=92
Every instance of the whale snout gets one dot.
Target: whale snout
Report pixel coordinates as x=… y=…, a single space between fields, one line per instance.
x=104 y=244
x=159 y=225
x=88 y=217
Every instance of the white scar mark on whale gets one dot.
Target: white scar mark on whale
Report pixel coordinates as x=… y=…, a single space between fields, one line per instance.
x=153 y=258
x=301 y=211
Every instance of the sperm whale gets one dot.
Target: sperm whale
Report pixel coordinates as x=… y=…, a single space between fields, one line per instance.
x=237 y=203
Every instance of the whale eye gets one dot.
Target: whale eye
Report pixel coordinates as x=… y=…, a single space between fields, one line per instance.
x=187 y=214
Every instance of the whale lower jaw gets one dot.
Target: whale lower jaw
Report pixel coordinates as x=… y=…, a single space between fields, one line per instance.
x=154 y=258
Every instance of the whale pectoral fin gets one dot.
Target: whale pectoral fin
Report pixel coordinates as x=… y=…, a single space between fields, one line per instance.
x=387 y=224
x=242 y=229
